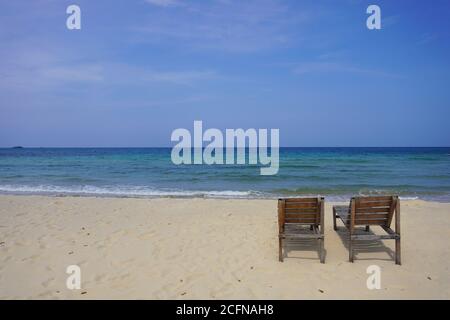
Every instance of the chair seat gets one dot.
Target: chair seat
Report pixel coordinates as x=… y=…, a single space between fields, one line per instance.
x=294 y=230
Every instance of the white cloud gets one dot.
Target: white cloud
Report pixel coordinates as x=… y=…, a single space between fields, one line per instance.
x=48 y=71
x=234 y=26
x=75 y=73
x=162 y=3
x=178 y=77
x=426 y=38
x=29 y=65
x=335 y=67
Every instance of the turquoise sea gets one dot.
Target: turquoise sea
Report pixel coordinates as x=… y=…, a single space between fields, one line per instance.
x=336 y=173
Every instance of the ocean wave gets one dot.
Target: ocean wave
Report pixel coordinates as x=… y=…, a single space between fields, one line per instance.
x=409 y=198
x=126 y=191
x=123 y=191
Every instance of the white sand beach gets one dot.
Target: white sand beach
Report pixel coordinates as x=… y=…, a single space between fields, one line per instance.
x=205 y=249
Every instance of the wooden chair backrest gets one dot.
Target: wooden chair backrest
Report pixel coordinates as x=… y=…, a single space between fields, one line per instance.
x=299 y=210
x=373 y=210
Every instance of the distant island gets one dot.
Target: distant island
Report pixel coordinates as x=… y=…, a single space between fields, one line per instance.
x=17 y=147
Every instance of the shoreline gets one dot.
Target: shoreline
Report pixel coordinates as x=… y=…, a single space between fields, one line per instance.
x=333 y=198
x=163 y=248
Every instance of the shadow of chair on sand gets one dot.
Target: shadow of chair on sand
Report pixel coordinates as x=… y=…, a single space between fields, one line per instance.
x=295 y=248
x=365 y=246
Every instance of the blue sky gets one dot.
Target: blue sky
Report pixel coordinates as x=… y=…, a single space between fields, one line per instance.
x=139 y=69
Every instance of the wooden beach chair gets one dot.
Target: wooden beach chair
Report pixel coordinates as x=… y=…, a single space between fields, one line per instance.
x=295 y=215
x=370 y=211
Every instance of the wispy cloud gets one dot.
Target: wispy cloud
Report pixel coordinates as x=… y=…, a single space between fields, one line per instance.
x=38 y=70
x=75 y=73
x=163 y=3
x=426 y=38
x=234 y=26
x=335 y=67
x=179 y=77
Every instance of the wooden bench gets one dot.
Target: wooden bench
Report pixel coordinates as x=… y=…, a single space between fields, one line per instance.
x=296 y=213
x=371 y=211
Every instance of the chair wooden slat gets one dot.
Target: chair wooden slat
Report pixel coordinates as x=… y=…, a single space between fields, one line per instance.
x=373 y=204
x=300 y=215
x=374 y=198
x=301 y=200
x=371 y=216
x=307 y=221
x=360 y=210
x=301 y=205
x=301 y=210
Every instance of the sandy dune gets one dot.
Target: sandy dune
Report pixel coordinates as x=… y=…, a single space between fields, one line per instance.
x=204 y=249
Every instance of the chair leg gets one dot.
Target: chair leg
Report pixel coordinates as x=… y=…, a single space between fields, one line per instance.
x=334 y=220
x=398 y=257
x=322 y=250
x=280 y=249
x=350 y=249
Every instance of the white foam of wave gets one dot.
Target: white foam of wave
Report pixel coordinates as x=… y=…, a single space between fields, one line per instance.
x=376 y=192
x=121 y=191
x=141 y=191
x=409 y=198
